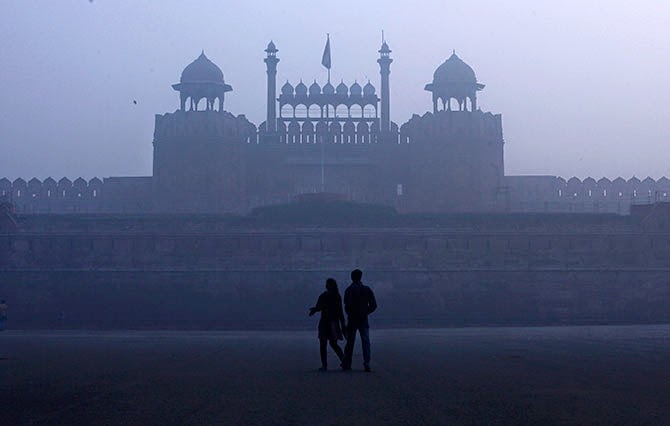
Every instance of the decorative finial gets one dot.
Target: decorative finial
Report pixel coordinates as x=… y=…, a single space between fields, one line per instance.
x=383 y=39
x=453 y=52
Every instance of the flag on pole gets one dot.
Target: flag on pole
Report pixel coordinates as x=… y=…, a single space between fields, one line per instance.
x=325 y=59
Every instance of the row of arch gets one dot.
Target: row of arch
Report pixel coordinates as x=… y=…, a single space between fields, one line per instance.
x=452 y=103
x=333 y=132
x=315 y=110
x=192 y=103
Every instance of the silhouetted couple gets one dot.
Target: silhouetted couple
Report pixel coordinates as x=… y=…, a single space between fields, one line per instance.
x=359 y=302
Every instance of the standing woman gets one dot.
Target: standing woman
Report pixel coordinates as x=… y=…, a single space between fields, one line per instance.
x=331 y=323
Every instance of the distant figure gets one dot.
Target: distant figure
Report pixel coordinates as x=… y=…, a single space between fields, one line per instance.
x=359 y=302
x=3 y=315
x=331 y=323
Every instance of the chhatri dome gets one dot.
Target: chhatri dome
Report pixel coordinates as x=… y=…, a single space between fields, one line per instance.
x=201 y=79
x=201 y=70
x=454 y=70
x=454 y=79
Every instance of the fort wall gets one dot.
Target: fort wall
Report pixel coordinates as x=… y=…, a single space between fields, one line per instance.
x=556 y=194
x=520 y=194
x=618 y=273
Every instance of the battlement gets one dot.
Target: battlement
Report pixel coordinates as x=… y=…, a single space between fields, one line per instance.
x=556 y=194
x=452 y=124
x=203 y=124
x=114 y=194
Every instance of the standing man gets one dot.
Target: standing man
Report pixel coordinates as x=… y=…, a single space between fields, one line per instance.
x=3 y=315
x=359 y=302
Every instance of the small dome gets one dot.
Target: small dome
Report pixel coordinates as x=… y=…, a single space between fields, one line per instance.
x=384 y=48
x=314 y=88
x=202 y=70
x=342 y=89
x=271 y=47
x=301 y=89
x=287 y=89
x=328 y=89
x=368 y=89
x=454 y=70
x=355 y=89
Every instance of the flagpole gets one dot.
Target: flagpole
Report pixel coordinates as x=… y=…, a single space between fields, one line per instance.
x=323 y=167
x=325 y=61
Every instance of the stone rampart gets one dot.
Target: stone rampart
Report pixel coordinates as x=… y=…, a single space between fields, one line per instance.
x=556 y=194
x=268 y=279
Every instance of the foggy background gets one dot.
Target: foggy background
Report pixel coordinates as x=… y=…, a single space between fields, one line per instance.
x=583 y=86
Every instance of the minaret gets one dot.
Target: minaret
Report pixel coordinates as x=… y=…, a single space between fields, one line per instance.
x=271 y=61
x=385 y=69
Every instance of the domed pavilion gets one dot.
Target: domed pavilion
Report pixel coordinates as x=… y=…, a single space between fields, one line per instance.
x=202 y=79
x=454 y=79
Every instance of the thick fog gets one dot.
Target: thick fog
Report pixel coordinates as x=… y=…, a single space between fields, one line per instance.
x=583 y=86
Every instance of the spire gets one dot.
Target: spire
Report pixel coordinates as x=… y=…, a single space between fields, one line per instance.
x=271 y=62
x=384 y=62
x=271 y=49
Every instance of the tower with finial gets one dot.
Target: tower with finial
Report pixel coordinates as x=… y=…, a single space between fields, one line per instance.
x=198 y=160
x=271 y=61
x=457 y=151
x=385 y=70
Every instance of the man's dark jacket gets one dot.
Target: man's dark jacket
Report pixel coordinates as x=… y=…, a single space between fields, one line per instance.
x=359 y=302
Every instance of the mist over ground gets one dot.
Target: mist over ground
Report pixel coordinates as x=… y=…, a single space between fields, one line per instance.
x=581 y=86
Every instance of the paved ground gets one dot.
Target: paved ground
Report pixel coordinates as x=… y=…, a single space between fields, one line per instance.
x=478 y=376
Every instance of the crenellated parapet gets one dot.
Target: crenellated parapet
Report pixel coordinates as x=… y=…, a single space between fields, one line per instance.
x=452 y=124
x=557 y=194
x=114 y=194
x=205 y=124
x=35 y=189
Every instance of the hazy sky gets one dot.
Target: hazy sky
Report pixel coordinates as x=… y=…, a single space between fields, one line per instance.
x=583 y=86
